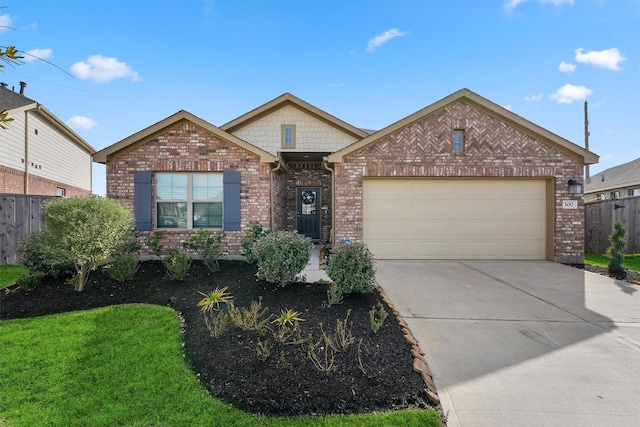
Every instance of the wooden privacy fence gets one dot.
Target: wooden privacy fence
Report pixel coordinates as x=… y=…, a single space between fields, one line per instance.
x=599 y=219
x=19 y=217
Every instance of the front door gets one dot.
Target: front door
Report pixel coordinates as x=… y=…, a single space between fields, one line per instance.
x=308 y=205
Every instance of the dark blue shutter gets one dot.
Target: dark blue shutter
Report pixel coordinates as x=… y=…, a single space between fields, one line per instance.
x=231 y=182
x=142 y=200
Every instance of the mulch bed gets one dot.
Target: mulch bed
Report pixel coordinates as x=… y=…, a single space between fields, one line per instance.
x=286 y=383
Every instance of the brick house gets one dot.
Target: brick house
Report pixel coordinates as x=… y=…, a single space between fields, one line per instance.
x=462 y=178
x=40 y=155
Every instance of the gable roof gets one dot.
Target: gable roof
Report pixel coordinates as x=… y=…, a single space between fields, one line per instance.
x=483 y=104
x=10 y=99
x=145 y=135
x=288 y=99
x=624 y=175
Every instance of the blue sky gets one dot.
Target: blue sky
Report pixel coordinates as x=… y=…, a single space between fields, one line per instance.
x=121 y=66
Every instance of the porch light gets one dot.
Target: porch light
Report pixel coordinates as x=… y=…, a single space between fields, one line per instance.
x=575 y=187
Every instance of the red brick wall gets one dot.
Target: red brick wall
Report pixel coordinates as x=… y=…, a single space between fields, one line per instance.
x=491 y=149
x=189 y=148
x=12 y=181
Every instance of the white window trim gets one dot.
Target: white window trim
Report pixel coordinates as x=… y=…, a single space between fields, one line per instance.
x=283 y=131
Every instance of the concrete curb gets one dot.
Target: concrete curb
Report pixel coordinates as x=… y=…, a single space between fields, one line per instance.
x=419 y=363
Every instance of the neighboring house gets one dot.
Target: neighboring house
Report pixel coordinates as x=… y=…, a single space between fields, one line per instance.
x=460 y=179
x=39 y=154
x=617 y=182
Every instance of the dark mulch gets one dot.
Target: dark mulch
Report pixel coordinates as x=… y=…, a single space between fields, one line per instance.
x=629 y=276
x=286 y=383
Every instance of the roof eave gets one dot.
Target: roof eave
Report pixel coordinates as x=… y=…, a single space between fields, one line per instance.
x=586 y=157
x=105 y=155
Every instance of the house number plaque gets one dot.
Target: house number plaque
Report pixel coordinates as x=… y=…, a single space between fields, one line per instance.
x=569 y=204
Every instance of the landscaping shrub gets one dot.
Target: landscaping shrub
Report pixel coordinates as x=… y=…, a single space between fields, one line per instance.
x=177 y=264
x=207 y=245
x=615 y=252
x=252 y=235
x=123 y=267
x=87 y=231
x=31 y=280
x=352 y=268
x=281 y=256
x=38 y=253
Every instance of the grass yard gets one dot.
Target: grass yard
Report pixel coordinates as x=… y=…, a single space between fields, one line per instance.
x=124 y=365
x=9 y=274
x=631 y=261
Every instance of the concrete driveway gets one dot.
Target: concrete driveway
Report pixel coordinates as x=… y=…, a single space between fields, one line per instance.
x=523 y=343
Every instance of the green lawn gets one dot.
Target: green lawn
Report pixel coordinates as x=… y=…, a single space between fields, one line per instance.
x=631 y=261
x=124 y=365
x=9 y=274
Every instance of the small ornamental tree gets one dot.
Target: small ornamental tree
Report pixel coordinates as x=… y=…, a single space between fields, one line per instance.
x=615 y=252
x=87 y=230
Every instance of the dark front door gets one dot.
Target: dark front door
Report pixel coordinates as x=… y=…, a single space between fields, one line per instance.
x=308 y=206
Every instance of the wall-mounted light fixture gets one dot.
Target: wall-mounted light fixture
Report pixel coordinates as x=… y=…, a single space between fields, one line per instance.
x=575 y=187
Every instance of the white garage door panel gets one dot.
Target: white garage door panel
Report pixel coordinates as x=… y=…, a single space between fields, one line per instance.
x=455 y=219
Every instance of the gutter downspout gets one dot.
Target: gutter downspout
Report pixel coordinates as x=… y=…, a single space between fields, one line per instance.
x=333 y=198
x=26 y=147
x=271 y=195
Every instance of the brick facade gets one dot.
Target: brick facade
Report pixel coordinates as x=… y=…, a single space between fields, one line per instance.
x=12 y=182
x=190 y=148
x=491 y=149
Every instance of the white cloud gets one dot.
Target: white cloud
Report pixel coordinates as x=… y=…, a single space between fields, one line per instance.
x=565 y=67
x=102 y=69
x=512 y=4
x=36 y=54
x=380 y=39
x=610 y=58
x=569 y=93
x=5 y=22
x=80 y=122
x=534 y=98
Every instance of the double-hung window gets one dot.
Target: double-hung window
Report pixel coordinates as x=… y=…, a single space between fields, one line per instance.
x=189 y=200
x=458 y=140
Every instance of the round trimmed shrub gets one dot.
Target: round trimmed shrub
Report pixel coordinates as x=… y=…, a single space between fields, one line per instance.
x=352 y=268
x=281 y=256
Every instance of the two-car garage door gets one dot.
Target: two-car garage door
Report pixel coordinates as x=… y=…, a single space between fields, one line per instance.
x=455 y=218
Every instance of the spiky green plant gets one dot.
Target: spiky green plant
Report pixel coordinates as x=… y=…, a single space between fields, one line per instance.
x=213 y=299
x=288 y=317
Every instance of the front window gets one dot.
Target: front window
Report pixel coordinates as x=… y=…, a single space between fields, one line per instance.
x=615 y=195
x=189 y=200
x=61 y=192
x=634 y=192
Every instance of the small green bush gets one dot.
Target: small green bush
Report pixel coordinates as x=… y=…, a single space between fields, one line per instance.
x=208 y=246
x=352 y=268
x=30 y=280
x=615 y=252
x=177 y=264
x=123 y=267
x=39 y=254
x=281 y=256
x=251 y=236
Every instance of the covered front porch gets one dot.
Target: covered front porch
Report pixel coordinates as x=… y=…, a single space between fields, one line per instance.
x=302 y=195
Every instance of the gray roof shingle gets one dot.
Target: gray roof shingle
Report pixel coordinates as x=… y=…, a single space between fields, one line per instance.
x=618 y=176
x=10 y=99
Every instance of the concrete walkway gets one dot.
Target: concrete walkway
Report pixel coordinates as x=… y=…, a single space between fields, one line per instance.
x=523 y=343
x=312 y=272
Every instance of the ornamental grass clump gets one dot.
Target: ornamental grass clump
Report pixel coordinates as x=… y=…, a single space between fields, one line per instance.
x=352 y=268
x=281 y=256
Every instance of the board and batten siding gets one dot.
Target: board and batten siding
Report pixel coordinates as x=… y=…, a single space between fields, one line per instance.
x=312 y=134
x=55 y=157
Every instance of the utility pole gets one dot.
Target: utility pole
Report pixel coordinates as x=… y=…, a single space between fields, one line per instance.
x=586 y=139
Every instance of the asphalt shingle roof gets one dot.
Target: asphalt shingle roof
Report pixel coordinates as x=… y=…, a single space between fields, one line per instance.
x=617 y=176
x=10 y=99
